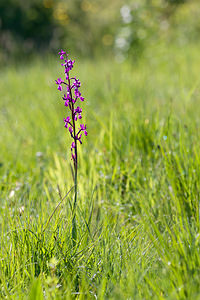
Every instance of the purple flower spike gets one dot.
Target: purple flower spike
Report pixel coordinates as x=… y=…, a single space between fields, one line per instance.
x=71 y=97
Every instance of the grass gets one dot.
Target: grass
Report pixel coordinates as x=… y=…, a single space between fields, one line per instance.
x=139 y=177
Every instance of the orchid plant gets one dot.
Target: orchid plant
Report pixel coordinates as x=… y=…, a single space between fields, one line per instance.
x=71 y=95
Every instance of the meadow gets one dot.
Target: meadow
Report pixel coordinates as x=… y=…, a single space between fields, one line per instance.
x=138 y=180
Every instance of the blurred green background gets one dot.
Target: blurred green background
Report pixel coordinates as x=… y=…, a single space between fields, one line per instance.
x=95 y=27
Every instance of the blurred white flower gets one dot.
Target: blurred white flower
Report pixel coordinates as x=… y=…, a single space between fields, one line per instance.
x=126 y=14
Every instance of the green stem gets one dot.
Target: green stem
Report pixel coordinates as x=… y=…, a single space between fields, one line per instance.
x=74 y=228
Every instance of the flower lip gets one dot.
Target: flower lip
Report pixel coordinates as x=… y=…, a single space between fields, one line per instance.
x=83 y=127
x=66 y=102
x=59 y=81
x=67 y=120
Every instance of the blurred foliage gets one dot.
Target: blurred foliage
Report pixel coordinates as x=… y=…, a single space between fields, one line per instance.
x=145 y=22
x=94 y=27
x=36 y=25
x=92 y=24
x=26 y=26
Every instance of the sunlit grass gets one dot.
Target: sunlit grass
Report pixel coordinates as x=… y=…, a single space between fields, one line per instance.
x=138 y=202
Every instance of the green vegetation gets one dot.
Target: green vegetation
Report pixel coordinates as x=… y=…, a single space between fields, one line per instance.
x=92 y=28
x=139 y=177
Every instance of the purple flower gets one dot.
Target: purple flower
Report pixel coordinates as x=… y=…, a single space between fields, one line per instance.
x=67 y=121
x=78 y=110
x=66 y=102
x=73 y=145
x=76 y=83
x=85 y=132
x=59 y=81
x=83 y=127
x=70 y=129
x=68 y=65
x=81 y=98
x=65 y=63
x=67 y=99
x=77 y=93
x=62 y=53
